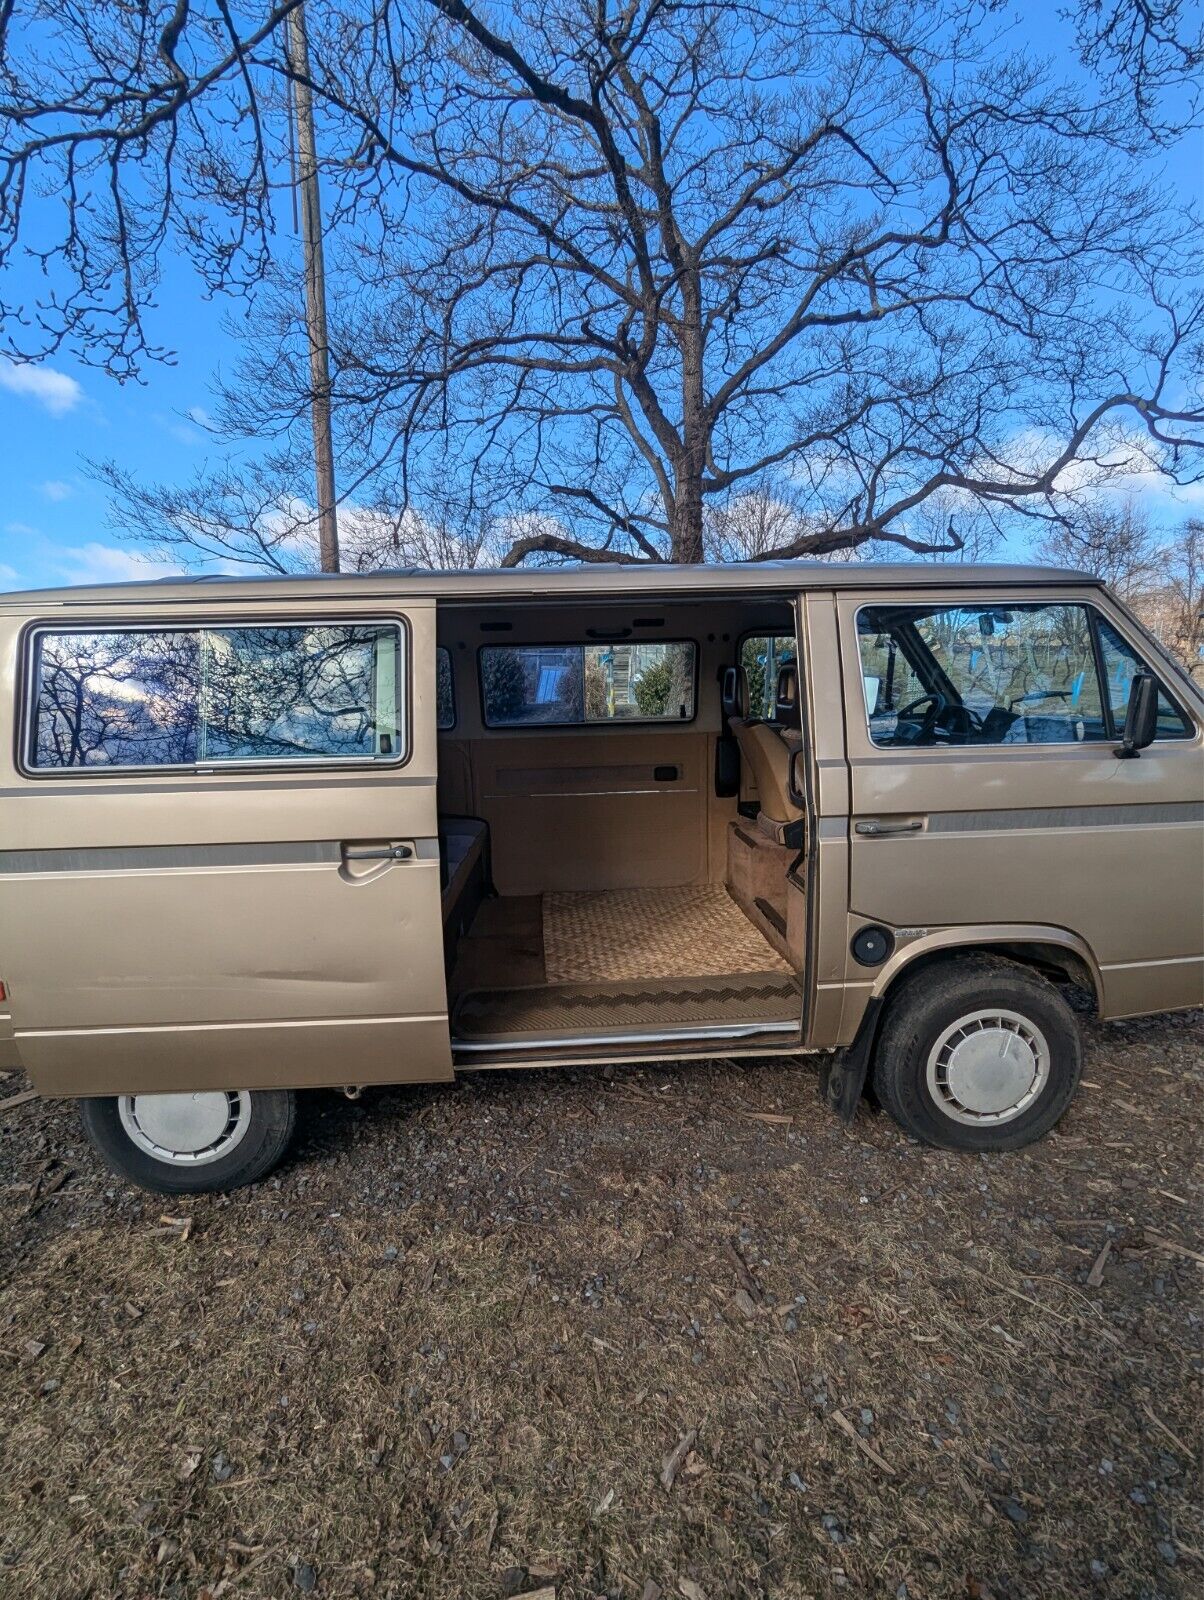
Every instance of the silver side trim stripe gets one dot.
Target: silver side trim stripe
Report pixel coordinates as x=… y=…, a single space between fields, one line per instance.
x=1127 y=816
x=166 y=857
x=233 y=1027
x=212 y=781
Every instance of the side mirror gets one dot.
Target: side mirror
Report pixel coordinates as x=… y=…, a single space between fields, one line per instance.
x=1141 y=717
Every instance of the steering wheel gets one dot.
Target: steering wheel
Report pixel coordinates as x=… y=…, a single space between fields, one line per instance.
x=970 y=720
x=941 y=713
x=936 y=703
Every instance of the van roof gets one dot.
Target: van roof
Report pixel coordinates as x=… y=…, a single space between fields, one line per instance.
x=582 y=580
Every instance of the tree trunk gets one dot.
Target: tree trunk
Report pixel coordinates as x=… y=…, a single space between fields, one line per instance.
x=315 y=295
x=686 y=524
x=686 y=528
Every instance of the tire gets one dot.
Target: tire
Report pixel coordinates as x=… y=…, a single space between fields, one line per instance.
x=210 y=1155
x=937 y=1068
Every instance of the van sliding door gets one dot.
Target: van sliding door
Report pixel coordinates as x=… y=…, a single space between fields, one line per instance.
x=219 y=861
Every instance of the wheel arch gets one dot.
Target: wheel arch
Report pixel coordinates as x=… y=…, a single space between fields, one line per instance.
x=1056 y=953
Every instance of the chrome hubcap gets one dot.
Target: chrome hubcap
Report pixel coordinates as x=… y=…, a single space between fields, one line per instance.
x=988 y=1067
x=186 y=1129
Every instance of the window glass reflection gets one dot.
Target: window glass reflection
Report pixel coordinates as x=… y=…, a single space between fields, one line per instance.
x=117 y=699
x=150 y=697
x=1013 y=674
x=523 y=685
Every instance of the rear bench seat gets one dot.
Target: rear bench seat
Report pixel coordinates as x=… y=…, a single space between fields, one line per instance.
x=464 y=874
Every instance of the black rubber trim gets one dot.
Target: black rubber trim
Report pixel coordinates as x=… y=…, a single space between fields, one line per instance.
x=844 y=1080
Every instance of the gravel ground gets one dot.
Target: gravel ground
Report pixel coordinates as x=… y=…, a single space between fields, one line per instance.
x=613 y=1334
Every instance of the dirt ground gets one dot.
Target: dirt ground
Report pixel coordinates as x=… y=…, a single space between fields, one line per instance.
x=595 y=1333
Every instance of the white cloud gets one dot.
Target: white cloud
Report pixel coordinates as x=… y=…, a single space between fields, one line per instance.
x=54 y=390
x=173 y=424
x=105 y=563
x=200 y=416
x=1123 y=461
x=55 y=489
x=21 y=529
x=7 y=574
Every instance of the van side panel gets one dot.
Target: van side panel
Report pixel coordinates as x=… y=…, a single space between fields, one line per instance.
x=205 y=929
x=1108 y=852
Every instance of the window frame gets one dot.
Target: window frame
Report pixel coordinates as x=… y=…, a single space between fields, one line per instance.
x=764 y=633
x=1095 y=614
x=583 y=725
x=451 y=679
x=25 y=723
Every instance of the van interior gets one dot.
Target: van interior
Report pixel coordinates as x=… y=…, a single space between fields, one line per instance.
x=622 y=848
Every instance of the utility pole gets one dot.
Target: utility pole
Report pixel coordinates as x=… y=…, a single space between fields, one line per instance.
x=315 y=290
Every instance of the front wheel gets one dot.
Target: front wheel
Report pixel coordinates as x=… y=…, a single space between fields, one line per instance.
x=978 y=1054
x=192 y=1143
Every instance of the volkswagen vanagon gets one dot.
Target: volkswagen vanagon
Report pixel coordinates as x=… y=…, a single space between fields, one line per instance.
x=265 y=835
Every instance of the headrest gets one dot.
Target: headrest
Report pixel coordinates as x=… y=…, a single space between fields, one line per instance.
x=786 y=704
x=729 y=692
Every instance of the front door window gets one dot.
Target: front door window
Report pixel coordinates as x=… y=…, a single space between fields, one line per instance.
x=998 y=674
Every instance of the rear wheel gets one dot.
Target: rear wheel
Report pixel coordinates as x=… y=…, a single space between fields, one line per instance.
x=192 y=1143
x=977 y=1053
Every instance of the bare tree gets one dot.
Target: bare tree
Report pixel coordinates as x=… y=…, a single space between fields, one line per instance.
x=1159 y=572
x=256 y=516
x=1112 y=541
x=1146 y=49
x=620 y=263
x=1182 y=621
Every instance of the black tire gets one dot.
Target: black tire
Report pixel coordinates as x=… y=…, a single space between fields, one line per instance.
x=269 y=1131
x=933 y=1001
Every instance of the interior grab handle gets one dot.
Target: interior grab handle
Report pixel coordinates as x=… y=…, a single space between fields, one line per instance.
x=876 y=830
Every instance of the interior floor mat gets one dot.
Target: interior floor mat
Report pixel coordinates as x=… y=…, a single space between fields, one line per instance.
x=597 y=937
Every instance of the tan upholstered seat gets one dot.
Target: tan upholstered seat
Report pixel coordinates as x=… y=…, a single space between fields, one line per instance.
x=765 y=748
x=740 y=720
x=769 y=757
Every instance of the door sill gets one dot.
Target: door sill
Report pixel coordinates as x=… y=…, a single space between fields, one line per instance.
x=587 y=1041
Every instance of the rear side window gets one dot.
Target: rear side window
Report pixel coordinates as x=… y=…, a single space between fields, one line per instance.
x=762 y=656
x=999 y=674
x=528 y=685
x=151 y=697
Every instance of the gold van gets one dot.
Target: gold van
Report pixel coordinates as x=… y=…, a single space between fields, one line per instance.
x=272 y=834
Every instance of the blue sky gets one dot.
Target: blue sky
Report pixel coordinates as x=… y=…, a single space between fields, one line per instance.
x=52 y=418
x=54 y=520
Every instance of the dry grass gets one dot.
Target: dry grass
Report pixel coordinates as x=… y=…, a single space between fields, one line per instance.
x=448 y=1351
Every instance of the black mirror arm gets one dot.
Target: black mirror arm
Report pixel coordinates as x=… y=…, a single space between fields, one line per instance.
x=1141 y=717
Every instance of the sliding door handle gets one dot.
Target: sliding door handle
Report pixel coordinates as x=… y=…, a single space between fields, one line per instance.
x=377 y=852
x=878 y=830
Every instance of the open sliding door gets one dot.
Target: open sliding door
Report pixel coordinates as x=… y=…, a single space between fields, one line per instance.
x=219 y=861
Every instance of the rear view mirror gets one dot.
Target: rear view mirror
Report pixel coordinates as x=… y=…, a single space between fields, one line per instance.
x=1141 y=718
